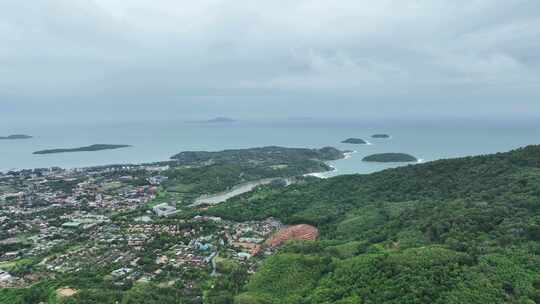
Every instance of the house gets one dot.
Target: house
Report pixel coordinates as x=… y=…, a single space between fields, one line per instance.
x=157 y=180
x=164 y=210
x=118 y=273
x=244 y=256
x=71 y=225
x=4 y=276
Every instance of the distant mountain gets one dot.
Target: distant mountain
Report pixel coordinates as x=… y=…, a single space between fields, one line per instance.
x=16 y=136
x=214 y=120
x=221 y=119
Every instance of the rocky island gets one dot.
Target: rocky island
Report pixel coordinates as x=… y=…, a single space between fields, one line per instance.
x=380 y=136
x=355 y=141
x=16 y=136
x=97 y=147
x=390 y=158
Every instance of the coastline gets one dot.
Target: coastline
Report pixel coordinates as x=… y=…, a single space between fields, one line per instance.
x=323 y=174
x=328 y=174
x=217 y=198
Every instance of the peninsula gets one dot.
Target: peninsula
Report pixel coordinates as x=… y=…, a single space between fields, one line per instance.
x=97 y=147
x=355 y=141
x=16 y=136
x=390 y=158
x=271 y=155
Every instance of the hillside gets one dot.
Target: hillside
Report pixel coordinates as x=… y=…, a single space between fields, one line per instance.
x=390 y=158
x=452 y=231
x=265 y=155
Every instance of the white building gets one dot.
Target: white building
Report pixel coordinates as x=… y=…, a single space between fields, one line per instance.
x=164 y=210
x=4 y=276
x=157 y=180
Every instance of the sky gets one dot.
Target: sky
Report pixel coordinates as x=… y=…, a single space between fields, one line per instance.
x=133 y=59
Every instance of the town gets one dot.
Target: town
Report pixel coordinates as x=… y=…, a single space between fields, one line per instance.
x=120 y=223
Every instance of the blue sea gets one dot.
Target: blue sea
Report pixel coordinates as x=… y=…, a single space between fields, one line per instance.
x=159 y=140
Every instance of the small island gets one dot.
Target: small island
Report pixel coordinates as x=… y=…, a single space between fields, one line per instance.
x=221 y=120
x=97 y=147
x=355 y=141
x=380 y=136
x=16 y=136
x=216 y=120
x=390 y=158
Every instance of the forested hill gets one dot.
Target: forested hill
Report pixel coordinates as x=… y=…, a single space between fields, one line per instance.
x=451 y=231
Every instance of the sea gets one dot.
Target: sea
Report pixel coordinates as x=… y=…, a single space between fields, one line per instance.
x=152 y=141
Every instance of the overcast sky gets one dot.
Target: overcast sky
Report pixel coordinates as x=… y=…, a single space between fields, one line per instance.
x=173 y=58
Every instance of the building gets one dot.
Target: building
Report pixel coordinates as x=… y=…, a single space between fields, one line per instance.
x=157 y=180
x=4 y=276
x=73 y=225
x=164 y=210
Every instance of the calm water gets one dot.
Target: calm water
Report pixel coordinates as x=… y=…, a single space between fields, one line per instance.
x=160 y=140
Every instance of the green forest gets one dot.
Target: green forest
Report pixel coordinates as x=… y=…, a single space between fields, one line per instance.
x=451 y=231
x=461 y=230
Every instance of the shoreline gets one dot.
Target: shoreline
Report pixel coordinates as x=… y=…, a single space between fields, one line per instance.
x=218 y=198
x=323 y=174
x=326 y=174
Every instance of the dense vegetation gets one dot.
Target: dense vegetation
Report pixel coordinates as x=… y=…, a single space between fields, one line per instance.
x=97 y=147
x=380 y=136
x=200 y=172
x=452 y=231
x=390 y=158
x=265 y=155
x=356 y=141
x=220 y=177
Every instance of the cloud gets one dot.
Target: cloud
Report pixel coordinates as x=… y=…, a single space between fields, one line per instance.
x=130 y=51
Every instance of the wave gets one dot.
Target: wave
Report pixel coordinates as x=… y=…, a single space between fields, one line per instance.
x=349 y=154
x=325 y=174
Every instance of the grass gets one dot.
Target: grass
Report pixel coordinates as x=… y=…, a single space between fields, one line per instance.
x=10 y=265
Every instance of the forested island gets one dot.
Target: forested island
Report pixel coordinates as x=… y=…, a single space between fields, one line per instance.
x=380 y=136
x=390 y=158
x=16 y=136
x=355 y=141
x=97 y=147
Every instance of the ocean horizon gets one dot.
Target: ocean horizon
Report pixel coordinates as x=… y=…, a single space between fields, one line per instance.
x=159 y=140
